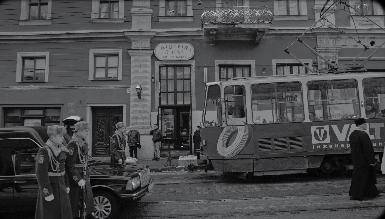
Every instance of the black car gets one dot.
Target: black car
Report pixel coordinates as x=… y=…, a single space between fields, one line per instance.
x=18 y=184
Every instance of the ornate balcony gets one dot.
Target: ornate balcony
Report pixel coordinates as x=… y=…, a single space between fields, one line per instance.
x=238 y=23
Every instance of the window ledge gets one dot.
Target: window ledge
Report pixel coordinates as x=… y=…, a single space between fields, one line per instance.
x=107 y=20
x=290 y=17
x=176 y=18
x=35 y=22
x=94 y=79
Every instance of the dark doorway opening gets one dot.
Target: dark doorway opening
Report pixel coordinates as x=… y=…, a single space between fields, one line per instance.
x=103 y=127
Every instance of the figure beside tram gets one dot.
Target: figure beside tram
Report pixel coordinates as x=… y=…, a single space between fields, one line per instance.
x=291 y=124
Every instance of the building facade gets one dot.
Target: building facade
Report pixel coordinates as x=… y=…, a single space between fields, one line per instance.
x=145 y=62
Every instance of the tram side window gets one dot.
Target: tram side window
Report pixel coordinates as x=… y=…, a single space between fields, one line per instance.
x=374 y=95
x=331 y=100
x=235 y=104
x=213 y=115
x=277 y=102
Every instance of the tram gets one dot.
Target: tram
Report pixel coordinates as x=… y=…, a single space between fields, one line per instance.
x=290 y=124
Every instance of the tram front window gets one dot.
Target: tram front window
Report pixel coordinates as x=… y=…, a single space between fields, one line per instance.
x=332 y=100
x=213 y=113
x=235 y=105
x=374 y=94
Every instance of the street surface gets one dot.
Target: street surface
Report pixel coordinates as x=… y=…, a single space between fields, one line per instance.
x=210 y=195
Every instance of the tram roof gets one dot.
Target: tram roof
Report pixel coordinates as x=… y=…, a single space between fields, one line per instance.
x=309 y=77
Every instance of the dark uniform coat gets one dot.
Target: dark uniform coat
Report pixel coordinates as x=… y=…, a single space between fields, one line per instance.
x=364 y=176
x=118 y=144
x=77 y=160
x=51 y=178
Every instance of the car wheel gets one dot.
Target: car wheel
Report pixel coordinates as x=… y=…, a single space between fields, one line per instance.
x=106 y=205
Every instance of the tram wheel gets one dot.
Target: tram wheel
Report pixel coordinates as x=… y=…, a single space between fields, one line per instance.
x=328 y=167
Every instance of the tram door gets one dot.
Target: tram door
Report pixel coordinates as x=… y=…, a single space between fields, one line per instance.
x=175 y=127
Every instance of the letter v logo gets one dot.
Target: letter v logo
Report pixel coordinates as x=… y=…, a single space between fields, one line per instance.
x=320 y=134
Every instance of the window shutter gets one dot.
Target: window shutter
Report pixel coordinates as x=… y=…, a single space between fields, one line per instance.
x=189 y=8
x=19 y=66
x=302 y=7
x=121 y=9
x=293 y=7
x=95 y=9
x=162 y=8
x=49 y=12
x=280 y=7
x=24 y=12
x=91 y=65
x=46 y=68
x=354 y=4
x=377 y=8
x=120 y=70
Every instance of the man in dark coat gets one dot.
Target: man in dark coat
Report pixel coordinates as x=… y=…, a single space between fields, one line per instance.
x=77 y=165
x=197 y=142
x=133 y=142
x=118 y=144
x=363 y=184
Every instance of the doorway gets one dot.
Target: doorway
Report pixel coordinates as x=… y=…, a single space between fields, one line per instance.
x=103 y=126
x=176 y=127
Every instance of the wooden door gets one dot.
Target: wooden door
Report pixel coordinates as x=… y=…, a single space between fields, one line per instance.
x=103 y=127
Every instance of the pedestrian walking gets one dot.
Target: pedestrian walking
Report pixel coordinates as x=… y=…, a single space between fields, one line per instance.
x=118 y=144
x=363 y=184
x=197 y=142
x=53 y=199
x=133 y=142
x=81 y=196
x=157 y=140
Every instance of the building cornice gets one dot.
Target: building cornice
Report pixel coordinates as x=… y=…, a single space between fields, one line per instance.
x=39 y=87
x=170 y=32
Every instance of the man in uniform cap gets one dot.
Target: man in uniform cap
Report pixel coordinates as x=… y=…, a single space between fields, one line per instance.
x=363 y=184
x=77 y=165
x=53 y=200
x=69 y=123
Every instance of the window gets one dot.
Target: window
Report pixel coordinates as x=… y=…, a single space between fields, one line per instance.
x=106 y=67
x=374 y=95
x=31 y=116
x=366 y=7
x=227 y=72
x=213 y=113
x=286 y=67
x=235 y=105
x=107 y=10
x=32 y=67
x=330 y=100
x=175 y=8
x=38 y=9
x=290 y=7
x=290 y=69
x=277 y=102
x=233 y=3
x=175 y=85
x=35 y=12
x=105 y=64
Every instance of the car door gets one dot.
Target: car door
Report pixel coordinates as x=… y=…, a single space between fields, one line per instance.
x=6 y=177
x=25 y=183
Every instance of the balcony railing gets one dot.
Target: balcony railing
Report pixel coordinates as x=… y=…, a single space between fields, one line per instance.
x=236 y=15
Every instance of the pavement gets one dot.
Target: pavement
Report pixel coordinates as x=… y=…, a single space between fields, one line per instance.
x=164 y=164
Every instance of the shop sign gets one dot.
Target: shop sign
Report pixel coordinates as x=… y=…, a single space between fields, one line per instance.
x=174 y=51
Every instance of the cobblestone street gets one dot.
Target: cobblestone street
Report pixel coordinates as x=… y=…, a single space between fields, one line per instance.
x=201 y=195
